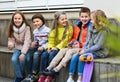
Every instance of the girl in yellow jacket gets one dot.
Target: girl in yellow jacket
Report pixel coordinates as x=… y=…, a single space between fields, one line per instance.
x=60 y=35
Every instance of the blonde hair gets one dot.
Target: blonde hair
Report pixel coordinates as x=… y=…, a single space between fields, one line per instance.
x=99 y=17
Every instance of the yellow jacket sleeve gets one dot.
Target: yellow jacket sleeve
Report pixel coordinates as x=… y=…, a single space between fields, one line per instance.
x=51 y=40
x=68 y=37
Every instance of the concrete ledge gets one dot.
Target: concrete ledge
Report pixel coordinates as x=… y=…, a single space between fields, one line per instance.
x=5 y=50
x=105 y=70
x=109 y=60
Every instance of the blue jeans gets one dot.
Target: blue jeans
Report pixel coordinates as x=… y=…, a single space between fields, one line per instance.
x=33 y=60
x=75 y=61
x=46 y=58
x=29 y=60
x=36 y=60
x=18 y=66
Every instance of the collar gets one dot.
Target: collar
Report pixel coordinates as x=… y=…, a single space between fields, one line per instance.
x=42 y=27
x=19 y=30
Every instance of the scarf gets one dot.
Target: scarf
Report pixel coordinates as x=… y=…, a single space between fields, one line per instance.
x=19 y=30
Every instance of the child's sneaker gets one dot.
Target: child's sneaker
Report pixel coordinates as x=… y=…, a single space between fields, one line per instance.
x=49 y=79
x=27 y=78
x=79 y=81
x=30 y=78
x=70 y=80
x=41 y=78
x=45 y=71
x=18 y=79
x=52 y=73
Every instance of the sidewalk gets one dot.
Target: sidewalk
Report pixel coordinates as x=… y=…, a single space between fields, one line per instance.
x=3 y=79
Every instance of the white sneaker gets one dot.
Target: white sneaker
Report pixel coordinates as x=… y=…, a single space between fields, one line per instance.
x=79 y=81
x=70 y=80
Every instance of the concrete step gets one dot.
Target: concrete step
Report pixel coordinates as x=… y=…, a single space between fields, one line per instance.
x=105 y=69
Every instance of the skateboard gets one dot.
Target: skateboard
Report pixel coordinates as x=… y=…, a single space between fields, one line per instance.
x=50 y=79
x=88 y=68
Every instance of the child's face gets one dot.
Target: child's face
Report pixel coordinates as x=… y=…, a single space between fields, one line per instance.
x=63 y=20
x=37 y=22
x=18 y=20
x=84 y=17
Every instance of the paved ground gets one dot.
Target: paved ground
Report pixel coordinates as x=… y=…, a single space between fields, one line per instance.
x=2 y=79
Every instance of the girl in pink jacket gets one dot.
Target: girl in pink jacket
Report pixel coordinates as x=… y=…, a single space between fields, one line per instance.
x=19 y=39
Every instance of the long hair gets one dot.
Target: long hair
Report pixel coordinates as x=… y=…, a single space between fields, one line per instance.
x=55 y=25
x=99 y=18
x=11 y=24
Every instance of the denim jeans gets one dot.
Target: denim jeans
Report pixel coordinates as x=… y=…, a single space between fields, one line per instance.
x=33 y=60
x=36 y=61
x=46 y=58
x=18 y=66
x=76 y=62
x=29 y=60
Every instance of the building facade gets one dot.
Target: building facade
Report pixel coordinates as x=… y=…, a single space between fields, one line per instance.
x=48 y=7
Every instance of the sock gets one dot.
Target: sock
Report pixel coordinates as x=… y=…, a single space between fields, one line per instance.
x=56 y=70
x=49 y=68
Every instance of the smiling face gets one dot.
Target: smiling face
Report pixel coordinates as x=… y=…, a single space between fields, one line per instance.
x=17 y=20
x=37 y=22
x=84 y=17
x=63 y=20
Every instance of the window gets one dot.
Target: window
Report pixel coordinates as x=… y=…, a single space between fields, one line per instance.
x=39 y=5
x=6 y=0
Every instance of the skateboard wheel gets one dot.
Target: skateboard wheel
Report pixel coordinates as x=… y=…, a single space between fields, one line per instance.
x=82 y=58
x=89 y=58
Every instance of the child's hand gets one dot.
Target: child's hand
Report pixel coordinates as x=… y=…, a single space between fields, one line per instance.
x=77 y=45
x=40 y=48
x=49 y=50
x=21 y=57
x=33 y=44
x=69 y=45
x=80 y=52
x=10 y=46
x=54 y=49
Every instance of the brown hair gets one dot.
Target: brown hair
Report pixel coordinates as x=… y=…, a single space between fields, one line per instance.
x=40 y=16
x=84 y=10
x=10 y=28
